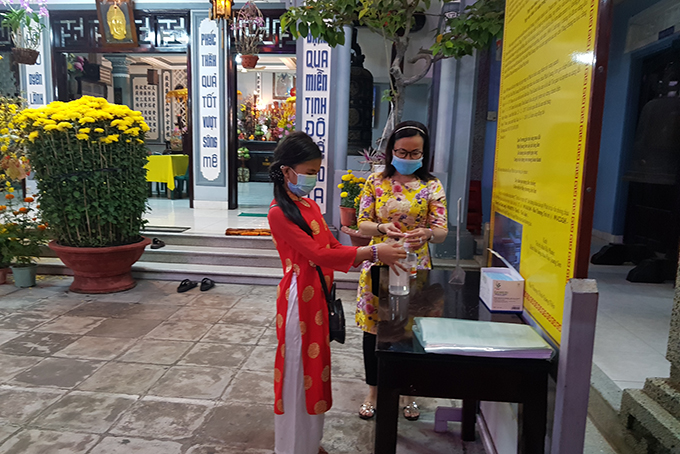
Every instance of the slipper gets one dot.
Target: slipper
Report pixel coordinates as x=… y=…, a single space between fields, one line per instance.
x=207 y=284
x=411 y=412
x=322 y=451
x=186 y=285
x=366 y=411
x=157 y=244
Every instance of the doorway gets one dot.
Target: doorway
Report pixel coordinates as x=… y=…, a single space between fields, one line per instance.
x=266 y=114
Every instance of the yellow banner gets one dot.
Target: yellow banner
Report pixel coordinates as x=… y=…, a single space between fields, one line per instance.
x=548 y=48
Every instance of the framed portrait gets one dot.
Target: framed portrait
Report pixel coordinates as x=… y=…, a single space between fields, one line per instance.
x=283 y=83
x=117 y=23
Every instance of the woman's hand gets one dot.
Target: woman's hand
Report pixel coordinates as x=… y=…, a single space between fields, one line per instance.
x=416 y=238
x=390 y=254
x=391 y=230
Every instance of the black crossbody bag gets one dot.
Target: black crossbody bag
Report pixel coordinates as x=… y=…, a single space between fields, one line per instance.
x=336 y=314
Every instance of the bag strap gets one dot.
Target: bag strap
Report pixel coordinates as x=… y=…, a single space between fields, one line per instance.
x=321 y=278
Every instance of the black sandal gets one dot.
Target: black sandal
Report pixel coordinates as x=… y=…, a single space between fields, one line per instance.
x=186 y=285
x=411 y=412
x=367 y=410
x=157 y=244
x=207 y=284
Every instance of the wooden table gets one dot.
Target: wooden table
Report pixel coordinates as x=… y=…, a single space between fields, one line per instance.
x=164 y=168
x=405 y=369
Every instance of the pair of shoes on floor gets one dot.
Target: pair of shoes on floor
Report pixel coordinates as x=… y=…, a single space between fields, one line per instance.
x=410 y=411
x=186 y=285
x=157 y=243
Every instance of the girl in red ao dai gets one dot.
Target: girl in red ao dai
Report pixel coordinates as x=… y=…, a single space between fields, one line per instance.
x=302 y=383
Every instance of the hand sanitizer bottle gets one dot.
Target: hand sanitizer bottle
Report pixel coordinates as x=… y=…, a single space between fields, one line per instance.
x=411 y=261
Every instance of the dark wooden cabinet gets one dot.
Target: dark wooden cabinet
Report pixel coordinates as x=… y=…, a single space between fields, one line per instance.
x=261 y=158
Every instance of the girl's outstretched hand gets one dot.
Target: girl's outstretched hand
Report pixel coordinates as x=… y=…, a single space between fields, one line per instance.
x=391 y=254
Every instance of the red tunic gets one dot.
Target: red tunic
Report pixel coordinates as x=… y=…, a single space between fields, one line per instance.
x=300 y=254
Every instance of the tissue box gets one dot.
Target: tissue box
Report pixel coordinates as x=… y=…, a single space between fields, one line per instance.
x=502 y=289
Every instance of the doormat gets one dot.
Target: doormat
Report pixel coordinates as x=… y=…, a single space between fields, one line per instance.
x=253 y=215
x=248 y=232
x=165 y=229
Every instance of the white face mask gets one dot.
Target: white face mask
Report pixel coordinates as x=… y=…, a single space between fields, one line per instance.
x=305 y=184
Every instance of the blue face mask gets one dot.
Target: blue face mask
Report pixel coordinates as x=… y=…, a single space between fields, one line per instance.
x=304 y=185
x=406 y=166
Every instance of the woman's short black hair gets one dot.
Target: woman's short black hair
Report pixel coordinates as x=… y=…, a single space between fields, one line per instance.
x=409 y=129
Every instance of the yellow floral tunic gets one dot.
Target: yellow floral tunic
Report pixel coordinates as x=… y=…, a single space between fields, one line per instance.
x=409 y=206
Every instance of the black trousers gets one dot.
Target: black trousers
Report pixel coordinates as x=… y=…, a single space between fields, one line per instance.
x=370 y=359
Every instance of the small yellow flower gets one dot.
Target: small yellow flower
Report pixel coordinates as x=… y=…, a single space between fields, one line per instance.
x=99 y=130
x=349 y=171
x=82 y=136
x=32 y=136
x=340 y=186
x=84 y=130
x=343 y=194
x=346 y=177
x=50 y=127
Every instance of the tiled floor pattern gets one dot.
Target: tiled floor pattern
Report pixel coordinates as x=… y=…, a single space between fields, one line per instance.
x=153 y=371
x=633 y=321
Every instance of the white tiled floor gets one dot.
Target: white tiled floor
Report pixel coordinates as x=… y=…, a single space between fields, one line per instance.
x=632 y=327
x=253 y=198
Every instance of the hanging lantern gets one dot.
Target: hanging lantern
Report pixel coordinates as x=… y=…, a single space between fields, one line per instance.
x=221 y=10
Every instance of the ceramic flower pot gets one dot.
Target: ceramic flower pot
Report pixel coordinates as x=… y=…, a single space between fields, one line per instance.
x=249 y=61
x=348 y=216
x=24 y=275
x=355 y=237
x=101 y=270
x=3 y=275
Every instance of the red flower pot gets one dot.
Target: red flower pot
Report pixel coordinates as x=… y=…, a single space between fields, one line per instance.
x=3 y=275
x=348 y=216
x=101 y=269
x=249 y=61
x=355 y=237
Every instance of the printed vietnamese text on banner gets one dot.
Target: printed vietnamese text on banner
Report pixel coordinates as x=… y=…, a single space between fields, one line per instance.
x=545 y=95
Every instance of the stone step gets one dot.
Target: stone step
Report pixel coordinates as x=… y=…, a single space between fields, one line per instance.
x=254 y=275
x=651 y=429
x=665 y=394
x=204 y=255
x=215 y=241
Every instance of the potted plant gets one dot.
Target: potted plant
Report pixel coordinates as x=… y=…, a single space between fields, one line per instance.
x=350 y=198
x=26 y=29
x=248 y=28
x=243 y=171
x=351 y=187
x=75 y=67
x=375 y=158
x=89 y=159
x=22 y=233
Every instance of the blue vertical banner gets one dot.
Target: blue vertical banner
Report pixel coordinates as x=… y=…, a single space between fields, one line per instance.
x=210 y=122
x=314 y=93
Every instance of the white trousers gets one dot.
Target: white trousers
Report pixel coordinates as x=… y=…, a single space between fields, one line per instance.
x=296 y=431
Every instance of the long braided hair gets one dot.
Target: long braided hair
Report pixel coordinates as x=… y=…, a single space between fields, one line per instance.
x=295 y=149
